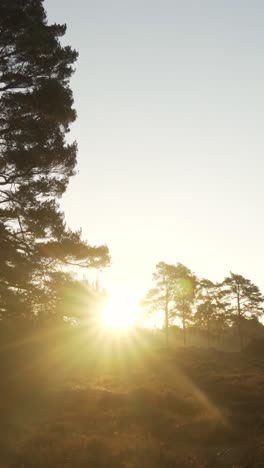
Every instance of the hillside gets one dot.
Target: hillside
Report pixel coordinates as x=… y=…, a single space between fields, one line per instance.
x=130 y=406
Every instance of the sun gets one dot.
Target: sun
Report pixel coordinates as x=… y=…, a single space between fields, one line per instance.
x=120 y=312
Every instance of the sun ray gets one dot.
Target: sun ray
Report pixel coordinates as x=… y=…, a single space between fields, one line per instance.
x=120 y=312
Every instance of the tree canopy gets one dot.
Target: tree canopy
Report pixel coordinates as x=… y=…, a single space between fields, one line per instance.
x=214 y=308
x=245 y=300
x=173 y=293
x=36 y=159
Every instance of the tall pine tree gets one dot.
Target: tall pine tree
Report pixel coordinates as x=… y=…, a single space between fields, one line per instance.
x=246 y=301
x=173 y=295
x=36 y=162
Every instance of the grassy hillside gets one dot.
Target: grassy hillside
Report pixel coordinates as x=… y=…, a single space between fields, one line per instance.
x=127 y=403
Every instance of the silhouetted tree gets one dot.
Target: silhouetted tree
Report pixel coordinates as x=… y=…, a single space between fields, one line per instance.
x=67 y=297
x=210 y=310
x=246 y=301
x=36 y=162
x=185 y=283
x=173 y=294
x=160 y=298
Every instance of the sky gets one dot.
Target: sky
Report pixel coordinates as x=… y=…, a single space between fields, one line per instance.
x=170 y=104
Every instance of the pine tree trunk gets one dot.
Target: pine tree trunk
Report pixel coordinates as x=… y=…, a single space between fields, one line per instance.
x=167 y=319
x=208 y=334
x=184 y=331
x=239 y=322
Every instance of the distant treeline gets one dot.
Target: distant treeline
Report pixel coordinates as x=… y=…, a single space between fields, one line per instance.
x=216 y=309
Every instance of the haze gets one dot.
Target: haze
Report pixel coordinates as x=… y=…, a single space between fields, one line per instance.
x=169 y=96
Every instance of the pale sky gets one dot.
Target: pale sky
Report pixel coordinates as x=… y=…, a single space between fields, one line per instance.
x=170 y=129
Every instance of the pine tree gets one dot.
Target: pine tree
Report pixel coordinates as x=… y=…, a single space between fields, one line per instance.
x=185 y=283
x=36 y=162
x=246 y=301
x=211 y=309
x=159 y=298
x=173 y=294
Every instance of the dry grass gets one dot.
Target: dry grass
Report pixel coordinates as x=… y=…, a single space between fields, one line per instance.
x=141 y=409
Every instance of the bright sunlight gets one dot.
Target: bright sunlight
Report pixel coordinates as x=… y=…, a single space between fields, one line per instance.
x=120 y=312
